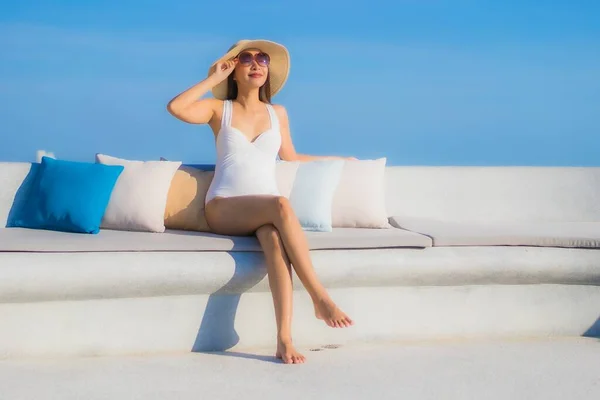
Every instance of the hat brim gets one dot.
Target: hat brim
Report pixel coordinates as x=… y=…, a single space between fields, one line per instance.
x=279 y=68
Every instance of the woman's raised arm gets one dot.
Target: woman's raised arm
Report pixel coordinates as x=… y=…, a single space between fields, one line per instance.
x=188 y=107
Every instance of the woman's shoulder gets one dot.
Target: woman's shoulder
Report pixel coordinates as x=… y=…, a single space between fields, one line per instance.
x=280 y=110
x=215 y=104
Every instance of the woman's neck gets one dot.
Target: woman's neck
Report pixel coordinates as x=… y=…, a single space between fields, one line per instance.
x=250 y=99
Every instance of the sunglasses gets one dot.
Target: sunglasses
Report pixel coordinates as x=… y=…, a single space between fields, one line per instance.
x=246 y=58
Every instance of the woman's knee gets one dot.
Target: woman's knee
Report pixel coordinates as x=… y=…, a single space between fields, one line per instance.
x=268 y=233
x=283 y=208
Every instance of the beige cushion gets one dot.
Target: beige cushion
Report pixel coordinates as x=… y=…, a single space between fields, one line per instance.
x=139 y=198
x=545 y=234
x=185 y=201
x=359 y=199
x=34 y=240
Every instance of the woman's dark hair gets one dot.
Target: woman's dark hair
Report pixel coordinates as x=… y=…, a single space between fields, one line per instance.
x=264 y=94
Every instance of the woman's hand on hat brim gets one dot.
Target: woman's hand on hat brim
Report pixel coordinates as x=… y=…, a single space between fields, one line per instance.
x=225 y=68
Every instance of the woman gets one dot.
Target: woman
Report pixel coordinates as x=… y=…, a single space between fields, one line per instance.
x=243 y=198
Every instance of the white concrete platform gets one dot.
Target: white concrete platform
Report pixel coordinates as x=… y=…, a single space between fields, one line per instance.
x=549 y=368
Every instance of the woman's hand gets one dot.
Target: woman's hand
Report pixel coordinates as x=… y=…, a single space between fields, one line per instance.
x=224 y=69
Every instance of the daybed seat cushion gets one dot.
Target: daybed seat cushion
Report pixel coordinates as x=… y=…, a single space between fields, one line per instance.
x=33 y=240
x=544 y=234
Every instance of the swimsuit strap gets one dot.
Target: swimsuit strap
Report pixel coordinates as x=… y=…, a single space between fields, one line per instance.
x=227 y=111
x=273 y=116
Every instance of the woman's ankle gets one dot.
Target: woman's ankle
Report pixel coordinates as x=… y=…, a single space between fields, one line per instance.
x=284 y=338
x=321 y=296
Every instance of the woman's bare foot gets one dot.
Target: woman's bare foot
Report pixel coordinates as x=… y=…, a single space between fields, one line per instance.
x=326 y=310
x=288 y=354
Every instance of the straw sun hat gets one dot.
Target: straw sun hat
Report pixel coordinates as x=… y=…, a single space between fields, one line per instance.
x=279 y=67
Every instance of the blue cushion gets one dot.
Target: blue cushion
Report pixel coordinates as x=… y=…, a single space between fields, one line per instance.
x=67 y=196
x=203 y=167
x=312 y=193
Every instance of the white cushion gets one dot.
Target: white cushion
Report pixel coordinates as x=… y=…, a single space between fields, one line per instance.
x=139 y=197
x=359 y=200
x=544 y=234
x=34 y=240
x=312 y=194
x=285 y=173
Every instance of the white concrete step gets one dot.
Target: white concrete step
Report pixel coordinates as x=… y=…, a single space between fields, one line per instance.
x=560 y=368
x=241 y=322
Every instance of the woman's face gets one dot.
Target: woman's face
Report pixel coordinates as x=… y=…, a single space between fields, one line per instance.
x=252 y=68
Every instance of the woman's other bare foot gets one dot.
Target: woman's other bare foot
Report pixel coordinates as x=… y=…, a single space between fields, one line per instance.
x=326 y=310
x=288 y=353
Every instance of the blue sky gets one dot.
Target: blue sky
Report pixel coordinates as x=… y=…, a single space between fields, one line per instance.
x=421 y=82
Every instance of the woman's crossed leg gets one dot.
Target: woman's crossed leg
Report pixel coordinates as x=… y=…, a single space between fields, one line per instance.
x=282 y=239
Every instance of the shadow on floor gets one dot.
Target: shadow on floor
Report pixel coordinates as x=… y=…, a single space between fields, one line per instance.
x=248 y=356
x=217 y=329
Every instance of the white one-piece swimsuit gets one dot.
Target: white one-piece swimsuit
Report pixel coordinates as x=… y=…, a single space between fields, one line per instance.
x=244 y=167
